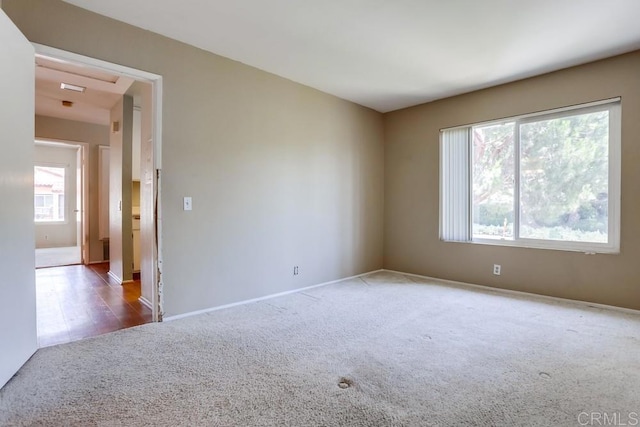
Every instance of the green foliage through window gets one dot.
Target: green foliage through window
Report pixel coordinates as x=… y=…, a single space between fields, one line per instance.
x=563 y=178
x=543 y=177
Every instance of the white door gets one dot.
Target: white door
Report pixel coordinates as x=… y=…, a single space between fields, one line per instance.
x=18 y=334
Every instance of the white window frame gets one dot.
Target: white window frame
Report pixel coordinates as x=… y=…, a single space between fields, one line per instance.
x=613 y=233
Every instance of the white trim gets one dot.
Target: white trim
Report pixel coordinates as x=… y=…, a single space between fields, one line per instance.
x=114 y=277
x=121 y=70
x=537 y=113
x=85 y=249
x=145 y=302
x=551 y=245
x=53 y=142
x=158 y=268
x=249 y=301
x=615 y=174
x=585 y=304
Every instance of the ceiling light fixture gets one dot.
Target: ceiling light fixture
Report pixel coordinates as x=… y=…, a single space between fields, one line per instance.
x=67 y=86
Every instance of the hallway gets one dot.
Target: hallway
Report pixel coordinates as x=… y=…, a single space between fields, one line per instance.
x=76 y=302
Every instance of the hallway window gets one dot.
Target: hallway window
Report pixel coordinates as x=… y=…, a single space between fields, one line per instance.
x=49 y=194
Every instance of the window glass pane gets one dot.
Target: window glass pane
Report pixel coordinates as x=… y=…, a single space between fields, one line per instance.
x=49 y=182
x=564 y=178
x=493 y=181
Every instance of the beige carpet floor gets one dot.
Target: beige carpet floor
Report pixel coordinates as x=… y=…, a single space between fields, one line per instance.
x=383 y=350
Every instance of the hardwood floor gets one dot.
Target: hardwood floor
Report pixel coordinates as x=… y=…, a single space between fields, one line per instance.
x=77 y=301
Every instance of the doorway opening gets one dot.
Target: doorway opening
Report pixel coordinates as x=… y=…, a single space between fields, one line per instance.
x=109 y=116
x=60 y=195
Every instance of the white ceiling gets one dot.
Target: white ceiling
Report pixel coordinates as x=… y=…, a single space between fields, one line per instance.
x=390 y=54
x=102 y=92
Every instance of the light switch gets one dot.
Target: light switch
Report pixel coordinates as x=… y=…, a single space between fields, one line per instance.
x=186 y=204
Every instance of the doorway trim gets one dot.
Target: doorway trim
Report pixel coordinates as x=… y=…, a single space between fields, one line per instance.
x=156 y=106
x=82 y=192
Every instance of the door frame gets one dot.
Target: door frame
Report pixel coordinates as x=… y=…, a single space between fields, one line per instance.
x=156 y=106
x=82 y=159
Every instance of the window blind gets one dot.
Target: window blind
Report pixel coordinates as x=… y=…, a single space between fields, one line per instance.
x=455 y=224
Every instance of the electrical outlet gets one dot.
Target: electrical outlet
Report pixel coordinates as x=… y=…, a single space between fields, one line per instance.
x=496 y=269
x=296 y=270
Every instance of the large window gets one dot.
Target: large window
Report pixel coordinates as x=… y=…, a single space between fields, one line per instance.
x=49 y=204
x=546 y=180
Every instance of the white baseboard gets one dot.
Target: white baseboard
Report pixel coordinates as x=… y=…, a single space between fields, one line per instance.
x=119 y=280
x=249 y=301
x=520 y=293
x=114 y=277
x=145 y=302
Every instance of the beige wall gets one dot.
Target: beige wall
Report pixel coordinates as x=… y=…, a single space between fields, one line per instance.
x=120 y=234
x=94 y=135
x=412 y=188
x=280 y=174
x=135 y=194
x=284 y=175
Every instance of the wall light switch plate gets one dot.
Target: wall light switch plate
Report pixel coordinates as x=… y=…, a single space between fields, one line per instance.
x=186 y=204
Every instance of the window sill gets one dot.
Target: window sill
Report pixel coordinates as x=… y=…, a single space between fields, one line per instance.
x=588 y=249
